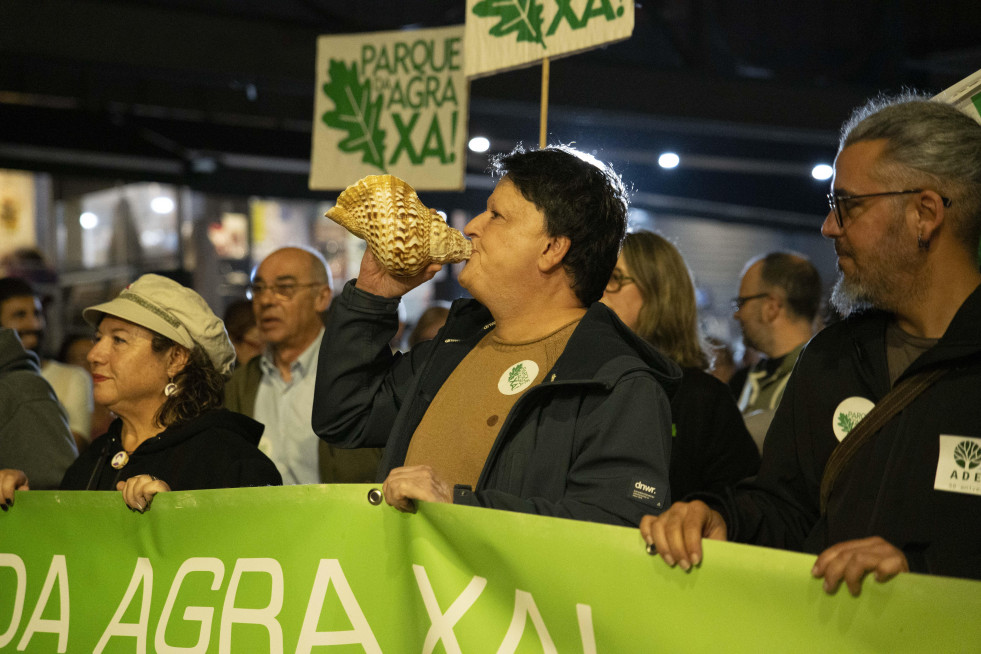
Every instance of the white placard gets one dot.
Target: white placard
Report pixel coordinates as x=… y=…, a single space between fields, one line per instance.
x=505 y=34
x=391 y=102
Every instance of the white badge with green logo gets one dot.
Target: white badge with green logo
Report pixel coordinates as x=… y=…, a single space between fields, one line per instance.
x=848 y=413
x=518 y=377
x=959 y=465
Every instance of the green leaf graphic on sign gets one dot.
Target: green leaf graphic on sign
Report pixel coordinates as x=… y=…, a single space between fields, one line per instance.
x=967 y=454
x=520 y=17
x=355 y=113
x=846 y=422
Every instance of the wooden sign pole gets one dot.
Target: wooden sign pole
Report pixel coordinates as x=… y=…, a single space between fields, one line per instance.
x=543 y=119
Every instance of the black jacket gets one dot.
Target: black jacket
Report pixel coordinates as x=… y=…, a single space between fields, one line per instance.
x=215 y=450
x=711 y=448
x=591 y=442
x=888 y=489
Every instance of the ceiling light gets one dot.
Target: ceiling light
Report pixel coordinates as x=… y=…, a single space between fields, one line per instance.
x=822 y=172
x=668 y=160
x=479 y=144
x=162 y=204
x=88 y=220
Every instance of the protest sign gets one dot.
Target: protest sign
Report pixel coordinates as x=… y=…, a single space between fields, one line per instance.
x=506 y=34
x=965 y=95
x=390 y=102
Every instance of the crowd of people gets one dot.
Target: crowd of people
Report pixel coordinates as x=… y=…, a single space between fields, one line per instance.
x=575 y=380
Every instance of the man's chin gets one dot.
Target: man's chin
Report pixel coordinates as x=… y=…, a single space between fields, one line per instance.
x=848 y=297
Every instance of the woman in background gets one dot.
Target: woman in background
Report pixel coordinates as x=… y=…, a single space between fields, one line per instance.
x=159 y=363
x=652 y=292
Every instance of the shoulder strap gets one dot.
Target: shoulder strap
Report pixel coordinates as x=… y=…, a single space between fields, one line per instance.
x=893 y=402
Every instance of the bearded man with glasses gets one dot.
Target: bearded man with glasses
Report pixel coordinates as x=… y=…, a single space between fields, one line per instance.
x=902 y=490
x=290 y=291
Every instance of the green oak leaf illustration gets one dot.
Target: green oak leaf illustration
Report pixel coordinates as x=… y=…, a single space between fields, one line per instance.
x=518 y=376
x=521 y=17
x=845 y=422
x=355 y=112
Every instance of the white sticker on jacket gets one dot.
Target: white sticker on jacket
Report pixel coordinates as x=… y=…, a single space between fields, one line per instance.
x=518 y=377
x=959 y=465
x=848 y=414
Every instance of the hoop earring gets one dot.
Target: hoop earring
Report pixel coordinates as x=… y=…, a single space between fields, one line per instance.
x=170 y=389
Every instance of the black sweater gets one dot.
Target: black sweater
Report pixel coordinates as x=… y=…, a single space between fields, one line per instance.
x=215 y=450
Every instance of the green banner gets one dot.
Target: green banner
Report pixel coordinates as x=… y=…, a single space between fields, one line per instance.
x=321 y=569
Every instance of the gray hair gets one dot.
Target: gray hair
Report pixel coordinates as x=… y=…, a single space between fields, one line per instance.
x=929 y=144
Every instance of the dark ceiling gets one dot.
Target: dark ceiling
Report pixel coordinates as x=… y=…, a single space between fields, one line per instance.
x=218 y=94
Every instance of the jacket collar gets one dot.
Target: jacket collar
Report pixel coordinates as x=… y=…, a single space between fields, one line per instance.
x=959 y=341
x=593 y=352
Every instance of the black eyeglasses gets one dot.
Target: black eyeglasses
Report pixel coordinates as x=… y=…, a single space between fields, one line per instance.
x=617 y=281
x=834 y=201
x=738 y=302
x=284 y=290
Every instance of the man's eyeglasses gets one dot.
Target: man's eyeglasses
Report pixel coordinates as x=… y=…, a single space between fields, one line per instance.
x=617 y=281
x=836 y=201
x=285 y=290
x=738 y=302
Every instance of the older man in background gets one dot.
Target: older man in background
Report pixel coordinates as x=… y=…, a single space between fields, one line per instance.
x=290 y=291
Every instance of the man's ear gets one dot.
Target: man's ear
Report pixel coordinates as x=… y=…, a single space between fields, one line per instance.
x=771 y=307
x=322 y=298
x=556 y=247
x=930 y=214
x=179 y=357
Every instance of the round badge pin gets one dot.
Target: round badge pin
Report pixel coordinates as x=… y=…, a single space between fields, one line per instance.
x=518 y=377
x=120 y=459
x=848 y=414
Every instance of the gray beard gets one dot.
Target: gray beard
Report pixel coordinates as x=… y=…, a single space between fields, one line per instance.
x=849 y=298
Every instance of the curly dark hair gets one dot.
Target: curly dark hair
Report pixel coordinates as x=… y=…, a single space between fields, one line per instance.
x=582 y=199
x=199 y=386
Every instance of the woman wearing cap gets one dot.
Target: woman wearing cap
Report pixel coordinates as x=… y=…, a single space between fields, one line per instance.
x=652 y=292
x=159 y=362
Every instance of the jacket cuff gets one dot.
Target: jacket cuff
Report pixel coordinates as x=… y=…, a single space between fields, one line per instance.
x=359 y=300
x=463 y=494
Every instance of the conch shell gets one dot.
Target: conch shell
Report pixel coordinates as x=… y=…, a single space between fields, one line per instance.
x=404 y=234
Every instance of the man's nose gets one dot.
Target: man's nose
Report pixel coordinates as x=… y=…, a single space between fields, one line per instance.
x=472 y=227
x=830 y=228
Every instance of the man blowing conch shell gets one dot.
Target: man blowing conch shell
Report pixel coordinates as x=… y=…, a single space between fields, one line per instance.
x=533 y=397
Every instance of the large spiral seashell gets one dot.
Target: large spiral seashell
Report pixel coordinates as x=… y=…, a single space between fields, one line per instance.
x=404 y=234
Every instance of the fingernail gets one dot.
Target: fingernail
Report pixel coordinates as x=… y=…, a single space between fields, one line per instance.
x=696 y=559
x=4 y=507
x=685 y=565
x=669 y=560
x=814 y=571
x=651 y=549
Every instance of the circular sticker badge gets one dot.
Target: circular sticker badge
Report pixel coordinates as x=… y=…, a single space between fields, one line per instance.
x=120 y=460
x=848 y=413
x=518 y=377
